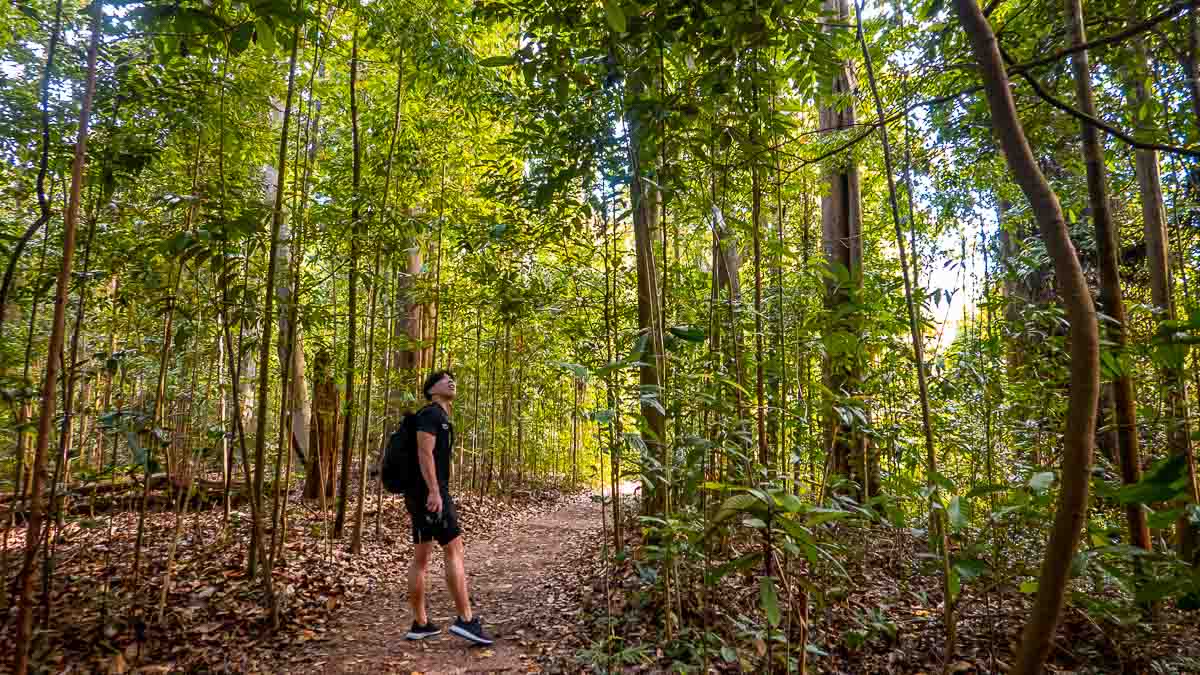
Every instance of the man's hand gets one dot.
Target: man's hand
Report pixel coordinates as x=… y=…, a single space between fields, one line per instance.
x=433 y=503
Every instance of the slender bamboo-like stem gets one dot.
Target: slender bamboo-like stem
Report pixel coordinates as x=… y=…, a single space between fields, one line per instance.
x=53 y=357
x=936 y=514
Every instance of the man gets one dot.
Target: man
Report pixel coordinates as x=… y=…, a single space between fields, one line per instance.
x=433 y=516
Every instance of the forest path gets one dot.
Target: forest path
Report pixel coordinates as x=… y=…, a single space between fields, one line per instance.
x=514 y=581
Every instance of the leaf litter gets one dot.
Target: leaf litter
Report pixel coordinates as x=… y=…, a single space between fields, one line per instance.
x=216 y=618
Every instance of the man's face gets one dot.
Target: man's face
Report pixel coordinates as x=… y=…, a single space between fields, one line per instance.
x=445 y=388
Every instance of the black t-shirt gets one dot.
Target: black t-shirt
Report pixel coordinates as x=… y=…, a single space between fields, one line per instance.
x=432 y=419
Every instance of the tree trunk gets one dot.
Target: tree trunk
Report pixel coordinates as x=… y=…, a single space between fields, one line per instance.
x=1084 y=336
x=1112 y=302
x=841 y=238
x=339 y=521
x=322 y=459
x=645 y=196
x=264 y=345
x=1158 y=262
x=53 y=357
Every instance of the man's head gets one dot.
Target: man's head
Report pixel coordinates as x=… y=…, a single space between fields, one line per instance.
x=440 y=384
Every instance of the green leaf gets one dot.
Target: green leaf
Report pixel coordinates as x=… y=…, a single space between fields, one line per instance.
x=498 y=61
x=240 y=39
x=970 y=568
x=266 y=36
x=1040 y=482
x=729 y=654
x=689 y=333
x=791 y=503
x=956 y=513
x=735 y=505
x=1161 y=483
x=580 y=372
x=616 y=17
x=770 y=600
x=821 y=516
x=1029 y=587
x=741 y=563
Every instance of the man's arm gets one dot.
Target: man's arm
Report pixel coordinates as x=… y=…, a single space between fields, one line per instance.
x=425 y=444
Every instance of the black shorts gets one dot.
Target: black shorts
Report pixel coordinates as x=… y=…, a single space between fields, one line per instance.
x=441 y=527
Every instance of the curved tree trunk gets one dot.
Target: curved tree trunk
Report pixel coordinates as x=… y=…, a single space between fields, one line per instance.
x=1079 y=432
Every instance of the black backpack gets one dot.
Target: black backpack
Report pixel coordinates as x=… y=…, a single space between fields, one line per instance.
x=399 y=466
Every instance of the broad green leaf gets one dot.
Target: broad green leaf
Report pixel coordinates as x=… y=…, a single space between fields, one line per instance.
x=791 y=503
x=1163 y=482
x=956 y=513
x=970 y=568
x=580 y=372
x=1029 y=586
x=266 y=36
x=240 y=38
x=741 y=563
x=616 y=17
x=735 y=505
x=821 y=516
x=689 y=333
x=770 y=600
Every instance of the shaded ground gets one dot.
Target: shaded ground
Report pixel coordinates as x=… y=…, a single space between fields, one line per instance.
x=102 y=618
x=515 y=576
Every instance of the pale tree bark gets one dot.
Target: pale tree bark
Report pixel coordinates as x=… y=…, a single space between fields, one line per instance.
x=53 y=356
x=841 y=238
x=409 y=322
x=1158 y=263
x=1084 y=338
x=291 y=349
x=1111 y=299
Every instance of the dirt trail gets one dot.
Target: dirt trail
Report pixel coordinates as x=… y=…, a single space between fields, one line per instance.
x=512 y=580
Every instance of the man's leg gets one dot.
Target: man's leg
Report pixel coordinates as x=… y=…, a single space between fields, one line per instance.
x=416 y=581
x=456 y=578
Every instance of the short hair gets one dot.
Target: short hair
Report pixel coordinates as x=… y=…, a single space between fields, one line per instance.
x=432 y=380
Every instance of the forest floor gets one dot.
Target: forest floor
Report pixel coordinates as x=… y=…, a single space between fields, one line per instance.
x=340 y=613
x=519 y=578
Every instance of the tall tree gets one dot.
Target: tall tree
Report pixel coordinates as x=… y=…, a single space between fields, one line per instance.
x=33 y=531
x=842 y=241
x=264 y=345
x=1111 y=299
x=1158 y=262
x=644 y=195
x=1079 y=433
x=352 y=333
